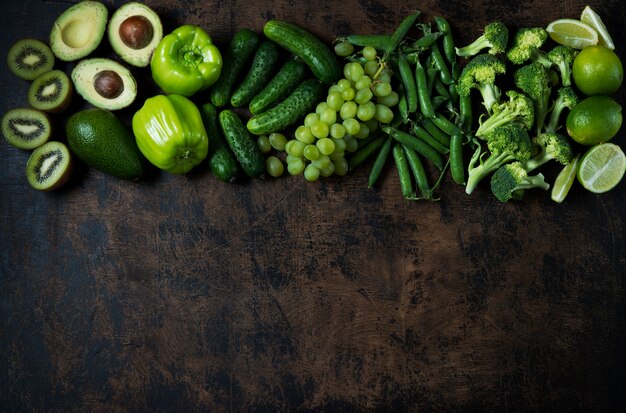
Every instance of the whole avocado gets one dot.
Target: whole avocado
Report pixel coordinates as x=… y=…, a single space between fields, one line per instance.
x=100 y=139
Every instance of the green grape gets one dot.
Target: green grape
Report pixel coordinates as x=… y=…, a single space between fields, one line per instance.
x=295 y=166
x=303 y=134
x=327 y=170
x=274 y=166
x=364 y=131
x=311 y=152
x=390 y=100
x=333 y=88
x=372 y=124
x=278 y=141
x=264 y=143
x=337 y=131
x=341 y=166
x=364 y=82
x=352 y=126
x=348 y=110
x=366 y=111
x=355 y=71
x=335 y=100
x=326 y=146
x=382 y=89
x=344 y=49
x=369 y=53
x=340 y=145
x=348 y=94
x=352 y=145
x=383 y=114
x=321 y=162
x=319 y=129
x=295 y=148
x=385 y=76
x=310 y=119
x=344 y=84
x=311 y=173
x=321 y=107
x=371 y=67
x=336 y=155
x=329 y=116
x=363 y=96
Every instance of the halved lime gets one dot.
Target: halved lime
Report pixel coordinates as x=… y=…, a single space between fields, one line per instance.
x=564 y=180
x=591 y=18
x=572 y=33
x=602 y=167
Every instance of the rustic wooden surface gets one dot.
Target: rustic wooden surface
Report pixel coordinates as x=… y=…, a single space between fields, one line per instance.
x=187 y=294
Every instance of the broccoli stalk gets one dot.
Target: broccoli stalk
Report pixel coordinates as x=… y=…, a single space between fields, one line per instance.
x=480 y=74
x=563 y=58
x=551 y=146
x=526 y=46
x=518 y=109
x=535 y=81
x=506 y=144
x=495 y=38
x=512 y=180
x=566 y=99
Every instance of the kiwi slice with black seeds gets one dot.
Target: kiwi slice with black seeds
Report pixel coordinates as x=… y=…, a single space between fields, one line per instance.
x=49 y=166
x=30 y=58
x=26 y=128
x=51 y=92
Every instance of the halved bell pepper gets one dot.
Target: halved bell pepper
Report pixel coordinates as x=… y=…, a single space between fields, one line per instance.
x=186 y=61
x=170 y=133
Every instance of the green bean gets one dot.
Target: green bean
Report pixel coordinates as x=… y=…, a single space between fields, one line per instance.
x=457 y=165
x=421 y=133
x=448 y=40
x=363 y=153
x=408 y=81
x=403 y=108
x=442 y=89
x=418 y=145
x=423 y=93
x=446 y=124
x=424 y=42
x=379 y=163
x=431 y=74
x=455 y=70
x=435 y=132
x=438 y=101
x=404 y=173
x=454 y=95
x=440 y=63
x=465 y=112
x=402 y=30
x=419 y=173
x=381 y=42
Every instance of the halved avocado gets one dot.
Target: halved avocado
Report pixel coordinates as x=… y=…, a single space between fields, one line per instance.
x=134 y=32
x=78 y=31
x=104 y=83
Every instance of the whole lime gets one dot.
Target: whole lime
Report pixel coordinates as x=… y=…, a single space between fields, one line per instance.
x=597 y=70
x=594 y=119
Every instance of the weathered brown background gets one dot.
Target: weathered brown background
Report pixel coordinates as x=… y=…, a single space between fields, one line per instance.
x=187 y=294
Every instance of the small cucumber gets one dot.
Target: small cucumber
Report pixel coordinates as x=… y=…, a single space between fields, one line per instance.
x=222 y=161
x=262 y=69
x=240 y=49
x=304 y=44
x=300 y=102
x=241 y=143
x=286 y=80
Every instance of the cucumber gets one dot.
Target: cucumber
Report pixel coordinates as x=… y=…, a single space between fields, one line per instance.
x=286 y=80
x=241 y=143
x=262 y=68
x=222 y=161
x=304 y=44
x=240 y=49
x=300 y=102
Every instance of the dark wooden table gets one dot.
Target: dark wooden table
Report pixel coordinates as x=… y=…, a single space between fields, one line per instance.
x=182 y=293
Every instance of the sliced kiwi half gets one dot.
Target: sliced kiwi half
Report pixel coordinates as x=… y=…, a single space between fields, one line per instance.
x=30 y=58
x=51 y=92
x=49 y=166
x=26 y=128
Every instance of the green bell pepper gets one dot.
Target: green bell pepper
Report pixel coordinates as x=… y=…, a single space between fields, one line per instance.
x=170 y=133
x=186 y=61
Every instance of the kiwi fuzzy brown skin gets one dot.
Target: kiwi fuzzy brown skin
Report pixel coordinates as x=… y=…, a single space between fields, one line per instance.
x=30 y=58
x=60 y=156
x=26 y=128
x=57 y=103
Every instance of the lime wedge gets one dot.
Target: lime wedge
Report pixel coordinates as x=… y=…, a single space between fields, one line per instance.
x=572 y=33
x=564 y=180
x=602 y=167
x=591 y=18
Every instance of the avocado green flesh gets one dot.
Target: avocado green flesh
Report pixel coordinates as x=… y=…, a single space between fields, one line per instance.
x=83 y=77
x=78 y=30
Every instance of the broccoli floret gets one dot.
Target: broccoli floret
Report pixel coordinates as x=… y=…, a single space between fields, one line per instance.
x=535 y=80
x=566 y=99
x=495 y=38
x=518 y=109
x=480 y=73
x=551 y=146
x=506 y=144
x=526 y=46
x=563 y=57
x=512 y=180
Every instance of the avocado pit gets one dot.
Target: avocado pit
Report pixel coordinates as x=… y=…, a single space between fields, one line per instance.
x=108 y=84
x=136 y=32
